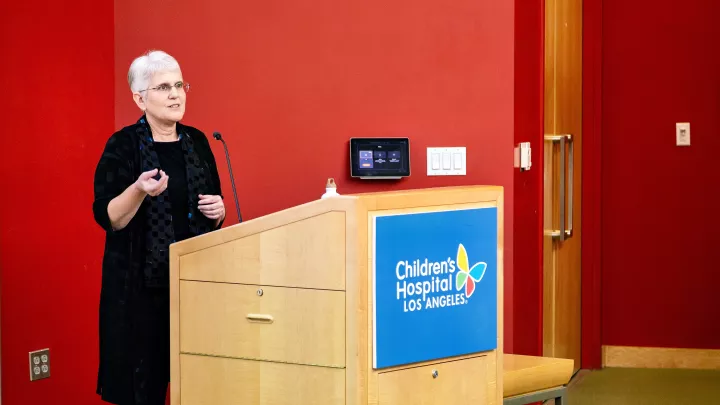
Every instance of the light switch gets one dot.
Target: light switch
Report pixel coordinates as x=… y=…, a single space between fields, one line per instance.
x=446 y=161
x=436 y=161
x=450 y=161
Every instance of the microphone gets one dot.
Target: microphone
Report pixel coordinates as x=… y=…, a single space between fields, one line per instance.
x=219 y=137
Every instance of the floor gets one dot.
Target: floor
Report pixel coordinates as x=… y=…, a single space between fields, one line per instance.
x=622 y=386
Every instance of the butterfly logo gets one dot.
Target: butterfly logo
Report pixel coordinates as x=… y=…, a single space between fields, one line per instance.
x=468 y=276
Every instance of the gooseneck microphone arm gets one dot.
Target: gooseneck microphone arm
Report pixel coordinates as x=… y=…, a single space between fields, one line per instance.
x=219 y=137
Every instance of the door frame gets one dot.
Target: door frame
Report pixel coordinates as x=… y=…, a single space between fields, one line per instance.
x=591 y=333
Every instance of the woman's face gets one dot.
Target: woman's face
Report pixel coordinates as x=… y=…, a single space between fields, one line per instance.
x=165 y=97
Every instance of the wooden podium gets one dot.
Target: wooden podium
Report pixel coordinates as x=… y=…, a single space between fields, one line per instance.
x=383 y=298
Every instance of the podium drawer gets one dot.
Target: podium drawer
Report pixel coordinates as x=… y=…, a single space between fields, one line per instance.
x=459 y=382
x=292 y=325
x=216 y=381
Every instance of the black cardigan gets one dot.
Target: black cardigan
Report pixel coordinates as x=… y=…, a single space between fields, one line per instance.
x=121 y=350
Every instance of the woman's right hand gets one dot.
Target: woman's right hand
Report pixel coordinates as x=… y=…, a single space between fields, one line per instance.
x=148 y=185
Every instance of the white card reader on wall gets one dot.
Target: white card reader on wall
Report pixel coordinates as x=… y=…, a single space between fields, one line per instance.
x=379 y=158
x=523 y=155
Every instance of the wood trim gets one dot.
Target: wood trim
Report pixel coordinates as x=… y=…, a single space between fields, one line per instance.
x=659 y=357
x=356 y=390
x=175 y=376
x=499 y=360
x=591 y=184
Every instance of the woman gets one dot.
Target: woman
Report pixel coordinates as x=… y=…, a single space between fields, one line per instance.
x=156 y=183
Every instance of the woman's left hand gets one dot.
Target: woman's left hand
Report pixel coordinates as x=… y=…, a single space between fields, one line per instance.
x=212 y=206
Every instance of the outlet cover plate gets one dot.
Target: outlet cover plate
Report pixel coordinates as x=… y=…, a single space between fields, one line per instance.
x=682 y=134
x=39 y=364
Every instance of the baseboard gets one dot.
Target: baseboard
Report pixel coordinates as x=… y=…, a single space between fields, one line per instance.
x=657 y=357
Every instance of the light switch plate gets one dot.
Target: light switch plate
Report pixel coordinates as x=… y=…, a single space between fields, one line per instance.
x=447 y=161
x=682 y=134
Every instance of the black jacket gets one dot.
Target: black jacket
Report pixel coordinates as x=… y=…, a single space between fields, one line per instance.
x=134 y=339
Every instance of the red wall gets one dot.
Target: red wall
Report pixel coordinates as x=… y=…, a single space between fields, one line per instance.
x=528 y=185
x=659 y=206
x=281 y=80
x=592 y=186
x=56 y=75
x=289 y=82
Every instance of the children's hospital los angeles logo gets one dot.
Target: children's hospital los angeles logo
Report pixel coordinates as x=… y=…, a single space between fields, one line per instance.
x=433 y=271
x=423 y=284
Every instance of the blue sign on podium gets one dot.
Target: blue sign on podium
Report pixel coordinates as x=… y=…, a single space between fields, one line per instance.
x=434 y=285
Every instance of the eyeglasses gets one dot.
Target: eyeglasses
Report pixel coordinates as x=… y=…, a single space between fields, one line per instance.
x=166 y=87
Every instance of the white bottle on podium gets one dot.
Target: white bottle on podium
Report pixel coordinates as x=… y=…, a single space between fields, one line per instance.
x=330 y=189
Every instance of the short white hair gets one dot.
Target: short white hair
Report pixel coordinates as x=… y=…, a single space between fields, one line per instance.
x=145 y=66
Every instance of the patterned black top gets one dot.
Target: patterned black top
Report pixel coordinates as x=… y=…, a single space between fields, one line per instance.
x=134 y=318
x=172 y=163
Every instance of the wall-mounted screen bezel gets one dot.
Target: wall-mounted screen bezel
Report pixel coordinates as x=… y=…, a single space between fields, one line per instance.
x=401 y=145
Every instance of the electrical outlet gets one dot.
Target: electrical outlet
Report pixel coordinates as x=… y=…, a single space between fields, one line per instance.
x=39 y=364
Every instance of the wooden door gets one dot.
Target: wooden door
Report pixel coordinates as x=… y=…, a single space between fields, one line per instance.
x=562 y=174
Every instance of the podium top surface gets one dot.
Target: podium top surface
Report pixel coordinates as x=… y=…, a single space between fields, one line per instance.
x=410 y=199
